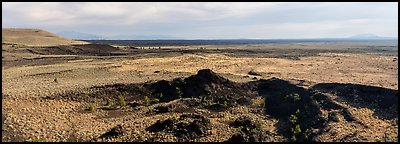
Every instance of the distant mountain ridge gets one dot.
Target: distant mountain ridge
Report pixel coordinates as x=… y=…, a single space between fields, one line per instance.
x=87 y=36
x=369 y=36
x=79 y=35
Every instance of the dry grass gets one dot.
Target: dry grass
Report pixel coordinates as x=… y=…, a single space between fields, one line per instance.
x=34 y=37
x=24 y=88
x=364 y=69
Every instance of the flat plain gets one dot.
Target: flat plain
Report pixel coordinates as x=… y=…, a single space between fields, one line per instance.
x=56 y=89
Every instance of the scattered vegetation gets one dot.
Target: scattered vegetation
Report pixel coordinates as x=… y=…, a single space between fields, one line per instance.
x=225 y=104
x=259 y=126
x=109 y=102
x=178 y=92
x=146 y=100
x=91 y=107
x=37 y=140
x=295 y=129
x=156 y=100
x=121 y=101
x=294 y=96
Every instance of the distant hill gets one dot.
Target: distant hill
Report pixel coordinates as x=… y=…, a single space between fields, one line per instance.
x=369 y=36
x=34 y=37
x=86 y=36
x=79 y=35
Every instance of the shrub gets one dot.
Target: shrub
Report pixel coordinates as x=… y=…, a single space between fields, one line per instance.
x=178 y=92
x=296 y=97
x=293 y=96
x=295 y=130
x=293 y=119
x=204 y=99
x=55 y=80
x=146 y=100
x=225 y=104
x=37 y=140
x=121 y=101
x=259 y=126
x=156 y=100
x=91 y=107
x=108 y=102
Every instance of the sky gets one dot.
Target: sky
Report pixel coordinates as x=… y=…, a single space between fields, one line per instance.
x=208 y=20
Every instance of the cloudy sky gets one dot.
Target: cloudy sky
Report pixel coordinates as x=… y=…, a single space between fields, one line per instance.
x=208 y=20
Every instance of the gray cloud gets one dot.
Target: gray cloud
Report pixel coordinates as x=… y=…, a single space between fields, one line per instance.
x=208 y=20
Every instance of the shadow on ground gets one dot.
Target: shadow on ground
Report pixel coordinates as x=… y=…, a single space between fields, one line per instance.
x=361 y=96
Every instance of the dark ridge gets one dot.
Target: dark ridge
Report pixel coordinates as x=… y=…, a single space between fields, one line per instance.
x=85 y=49
x=114 y=132
x=284 y=100
x=178 y=42
x=385 y=98
x=375 y=98
x=186 y=127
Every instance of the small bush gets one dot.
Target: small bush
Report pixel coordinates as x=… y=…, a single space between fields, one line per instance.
x=91 y=107
x=204 y=99
x=296 y=97
x=178 y=92
x=293 y=119
x=225 y=104
x=146 y=100
x=55 y=80
x=109 y=102
x=121 y=101
x=259 y=126
x=293 y=96
x=295 y=130
x=156 y=100
x=37 y=140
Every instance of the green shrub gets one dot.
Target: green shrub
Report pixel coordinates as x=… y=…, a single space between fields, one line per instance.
x=293 y=97
x=156 y=100
x=109 y=102
x=225 y=104
x=178 y=92
x=293 y=119
x=91 y=107
x=295 y=130
x=296 y=97
x=146 y=100
x=37 y=140
x=121 y=101
x=259 y=126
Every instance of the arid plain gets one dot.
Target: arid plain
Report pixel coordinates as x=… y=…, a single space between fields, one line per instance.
x=57 y=89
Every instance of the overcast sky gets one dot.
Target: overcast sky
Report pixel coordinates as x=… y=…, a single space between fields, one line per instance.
x=208 y=20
